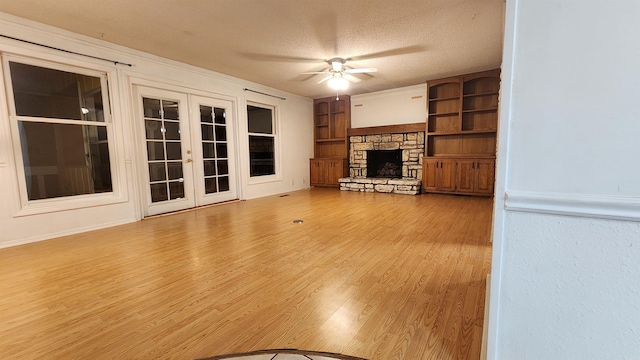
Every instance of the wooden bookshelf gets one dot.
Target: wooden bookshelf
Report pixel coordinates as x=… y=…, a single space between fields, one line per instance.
x=332 y=120
x=461 y=133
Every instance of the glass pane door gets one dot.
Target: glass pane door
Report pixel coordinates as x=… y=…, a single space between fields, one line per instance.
x=167 y=149
x=164 y=150
x=215 y=155
x=215 y=178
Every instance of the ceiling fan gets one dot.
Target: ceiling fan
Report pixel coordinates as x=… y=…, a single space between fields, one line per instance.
x=339 y=75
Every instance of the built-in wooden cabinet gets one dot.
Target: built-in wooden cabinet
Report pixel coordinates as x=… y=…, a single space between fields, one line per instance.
x=461 y=130
x=326 y=172
x=331 y=120
x=439 y=175
x=475 y=176
x=459 y=176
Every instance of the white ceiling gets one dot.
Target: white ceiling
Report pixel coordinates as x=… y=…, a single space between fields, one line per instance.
x=272 y=41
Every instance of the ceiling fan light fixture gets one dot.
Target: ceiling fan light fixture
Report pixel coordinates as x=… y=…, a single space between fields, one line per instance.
x=338 y=83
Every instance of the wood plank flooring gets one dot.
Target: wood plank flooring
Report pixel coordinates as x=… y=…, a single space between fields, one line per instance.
x=378 y=276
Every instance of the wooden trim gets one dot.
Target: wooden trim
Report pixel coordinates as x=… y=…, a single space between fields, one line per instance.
x=388 y=129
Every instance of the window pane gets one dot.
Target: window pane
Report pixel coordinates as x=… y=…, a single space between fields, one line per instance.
x=153 y=129
x=210 y=185
x=261 y=155
x=151 y=108
x=207 y=132
x=208 y=150
x=42 y=92
x=174 y=151
x=175 y=170
x=260 y=120
x=170 y=109
x=172 y=130
x=176 y=189
x=157 y=172
x=155 y=151
x=159 y=192
x=223 y=167
x=220 y=116
x=205 y=114
x=221 y=133
x=63 y=160
x=222 y=150
x=209 y=168
x=224 y=183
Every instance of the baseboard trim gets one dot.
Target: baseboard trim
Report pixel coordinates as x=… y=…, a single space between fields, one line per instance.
x=11 y=243
x=604 y=207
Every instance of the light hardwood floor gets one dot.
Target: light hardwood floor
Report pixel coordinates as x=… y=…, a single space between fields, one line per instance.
x=377 y=276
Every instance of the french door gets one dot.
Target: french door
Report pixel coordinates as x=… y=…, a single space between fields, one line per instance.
x=188 y=150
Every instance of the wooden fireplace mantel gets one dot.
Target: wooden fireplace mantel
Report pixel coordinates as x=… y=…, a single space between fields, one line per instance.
x=388 y=129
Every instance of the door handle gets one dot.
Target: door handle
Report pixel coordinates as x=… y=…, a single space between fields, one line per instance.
x=189 y=160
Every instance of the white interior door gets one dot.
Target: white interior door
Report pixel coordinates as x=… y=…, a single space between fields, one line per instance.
x=188 y=156
x=214 y=157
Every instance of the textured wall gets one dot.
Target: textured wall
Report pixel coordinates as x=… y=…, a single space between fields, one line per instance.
x=572 y=288
x=565 y=277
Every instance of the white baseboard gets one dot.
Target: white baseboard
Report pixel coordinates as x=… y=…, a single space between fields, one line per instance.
x=10 y=243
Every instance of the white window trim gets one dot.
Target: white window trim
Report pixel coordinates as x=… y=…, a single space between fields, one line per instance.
x=276 y=147
x=108 y=78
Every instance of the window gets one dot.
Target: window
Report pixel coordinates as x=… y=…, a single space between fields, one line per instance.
x=62 y=126
x=262 y=141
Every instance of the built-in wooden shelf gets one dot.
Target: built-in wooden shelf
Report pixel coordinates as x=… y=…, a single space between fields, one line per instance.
x=460 y=145
x=452 y=113
x=332 y=119
x=445 y=98
x=481 y=94
x=480 y=110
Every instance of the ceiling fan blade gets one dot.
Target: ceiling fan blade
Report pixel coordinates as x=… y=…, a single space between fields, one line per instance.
x=359 y=71
x=351 y=78
x=315 y=72
x=325 y=79
x=392 y=52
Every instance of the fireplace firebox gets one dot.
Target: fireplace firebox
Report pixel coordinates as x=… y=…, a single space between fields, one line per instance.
x=384 y=163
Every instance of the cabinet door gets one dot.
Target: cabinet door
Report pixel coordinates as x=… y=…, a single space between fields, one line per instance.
x=447 y=175
x=465 y=176
x=429 y=174
x=335 y=171
x=317 y=172
x=484 y=176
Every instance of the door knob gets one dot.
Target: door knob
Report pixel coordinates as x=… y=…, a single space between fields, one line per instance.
x=189 y=160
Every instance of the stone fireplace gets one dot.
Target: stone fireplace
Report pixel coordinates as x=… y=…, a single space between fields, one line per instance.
x=387 y=161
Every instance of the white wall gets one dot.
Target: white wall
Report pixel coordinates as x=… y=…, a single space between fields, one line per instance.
x=294 y=125
x=405 y=105
x=565 y=281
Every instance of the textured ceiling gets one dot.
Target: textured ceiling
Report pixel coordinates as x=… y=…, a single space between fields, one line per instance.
x=272 y=41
